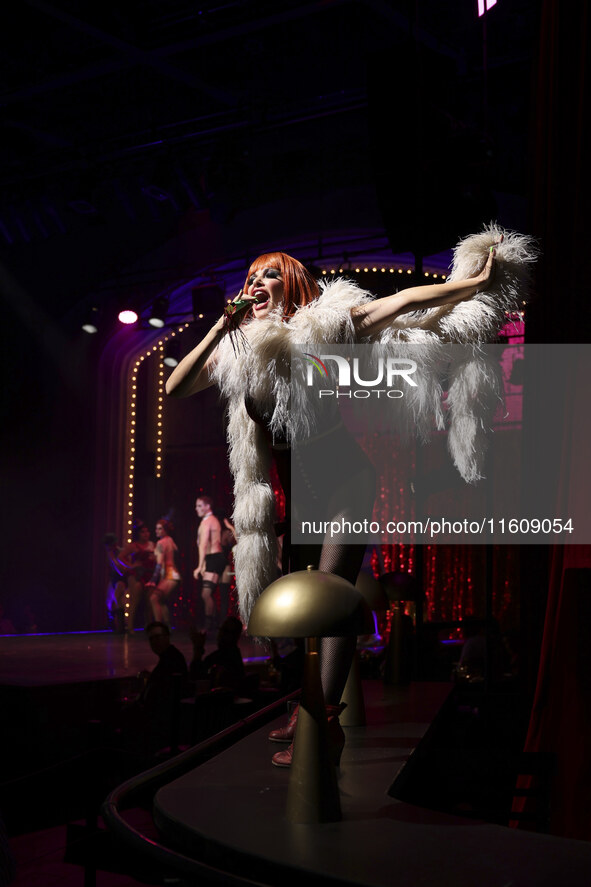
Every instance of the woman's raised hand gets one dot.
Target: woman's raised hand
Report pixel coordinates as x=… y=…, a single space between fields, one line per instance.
x=484 y=277
x=235 y=311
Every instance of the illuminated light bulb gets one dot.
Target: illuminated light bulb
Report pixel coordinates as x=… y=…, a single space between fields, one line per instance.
x=374 y=269
x=409 y=270
x=128 y=316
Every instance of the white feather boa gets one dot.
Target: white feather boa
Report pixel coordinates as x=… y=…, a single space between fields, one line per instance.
x=262 y=371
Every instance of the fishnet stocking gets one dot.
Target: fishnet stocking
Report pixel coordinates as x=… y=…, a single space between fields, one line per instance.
x=336 y=654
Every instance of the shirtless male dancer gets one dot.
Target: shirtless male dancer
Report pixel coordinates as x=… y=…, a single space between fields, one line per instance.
x=211 y=557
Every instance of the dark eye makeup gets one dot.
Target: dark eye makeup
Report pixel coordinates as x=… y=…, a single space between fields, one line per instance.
x=267 y=272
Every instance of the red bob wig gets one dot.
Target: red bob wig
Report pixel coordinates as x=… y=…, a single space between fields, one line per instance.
x=300 y=288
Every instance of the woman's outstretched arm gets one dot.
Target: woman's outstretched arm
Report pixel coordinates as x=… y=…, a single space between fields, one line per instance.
x=373 y=317
x=192 y=374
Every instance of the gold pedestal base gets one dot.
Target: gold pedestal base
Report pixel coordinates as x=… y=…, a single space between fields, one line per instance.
x=354 y=713
x=313 y=793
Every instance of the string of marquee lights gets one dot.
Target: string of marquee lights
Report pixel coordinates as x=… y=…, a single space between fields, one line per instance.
x=155 y=350
x=159 y=410
x=363 y=268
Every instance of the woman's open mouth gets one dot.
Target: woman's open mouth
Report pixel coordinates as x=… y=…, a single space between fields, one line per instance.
x=258 y=305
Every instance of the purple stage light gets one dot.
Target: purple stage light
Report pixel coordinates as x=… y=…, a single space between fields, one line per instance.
x=485 y=5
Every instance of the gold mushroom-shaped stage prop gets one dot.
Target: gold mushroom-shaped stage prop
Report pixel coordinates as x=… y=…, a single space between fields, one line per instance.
x=375 y=598
x=311 y=604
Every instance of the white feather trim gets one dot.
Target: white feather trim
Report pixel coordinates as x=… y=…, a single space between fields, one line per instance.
x=477 y=319
x=475 y=391
x=261 y=371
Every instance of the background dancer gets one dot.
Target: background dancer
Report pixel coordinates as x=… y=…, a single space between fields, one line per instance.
x=166 y=576
x=211 y=558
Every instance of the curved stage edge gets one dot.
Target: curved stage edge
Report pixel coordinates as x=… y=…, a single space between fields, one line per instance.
x=225 y=818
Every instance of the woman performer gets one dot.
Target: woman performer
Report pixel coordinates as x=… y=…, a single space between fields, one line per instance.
x=118 y=579
x=141 y=557
x=166 y=575
x=280 y=306
x=228 y=540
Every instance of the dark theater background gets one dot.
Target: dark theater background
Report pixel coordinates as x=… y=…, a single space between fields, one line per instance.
x=148 y=151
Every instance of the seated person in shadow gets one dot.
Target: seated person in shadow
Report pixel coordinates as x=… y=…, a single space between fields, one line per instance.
x=483 y=654
x=146 y=723
x=224 y=666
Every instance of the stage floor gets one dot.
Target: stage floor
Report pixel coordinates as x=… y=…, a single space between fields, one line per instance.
x=41 y=660
x=230 y=812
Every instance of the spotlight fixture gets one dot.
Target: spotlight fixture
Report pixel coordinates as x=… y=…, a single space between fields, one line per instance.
x=90 y=324
x=172 y=353
x=158 y=311
x=128 y=316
